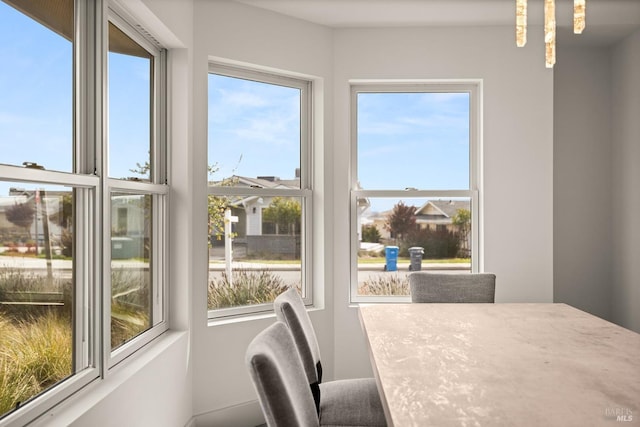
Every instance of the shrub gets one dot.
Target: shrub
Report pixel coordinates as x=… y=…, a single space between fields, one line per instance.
x=127 y=323
x=437 y=244
x=66 y=241
x=370 y=234
x=248 y=287
x=385 y=284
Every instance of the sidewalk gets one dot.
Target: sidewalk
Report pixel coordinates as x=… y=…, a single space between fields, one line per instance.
x=215 y=265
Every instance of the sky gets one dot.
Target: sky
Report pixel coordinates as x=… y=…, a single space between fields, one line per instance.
x=405 y=140
x=36 y=101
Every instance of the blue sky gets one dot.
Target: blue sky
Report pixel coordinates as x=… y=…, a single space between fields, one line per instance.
x=418 y=140
x=36 y=115
x=405 y=140
x=35 y=94
x=254 y=128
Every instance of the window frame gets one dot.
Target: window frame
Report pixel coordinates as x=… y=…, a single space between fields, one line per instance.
x=474 y=89
x=305 y=192
x=157 y=187
x=93 y=359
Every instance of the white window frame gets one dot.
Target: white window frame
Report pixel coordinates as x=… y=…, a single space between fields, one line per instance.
x=474 y=89
x=305 y=192
x=91 y=311
x=157 y=188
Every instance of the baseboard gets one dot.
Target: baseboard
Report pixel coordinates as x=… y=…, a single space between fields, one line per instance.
x=246 y=414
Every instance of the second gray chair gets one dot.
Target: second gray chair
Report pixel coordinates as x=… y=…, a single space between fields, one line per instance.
x=278 y=377
x=358 y=398
x=452 y=288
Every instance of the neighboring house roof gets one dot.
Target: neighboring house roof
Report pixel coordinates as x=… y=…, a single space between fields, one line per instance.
x=259 y=182
x=441 y=208
x=433 y=211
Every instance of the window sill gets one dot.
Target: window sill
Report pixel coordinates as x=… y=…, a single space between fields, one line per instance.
x=249 y=317
x=70 y=410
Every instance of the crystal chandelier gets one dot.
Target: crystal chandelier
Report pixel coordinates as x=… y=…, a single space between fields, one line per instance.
x=579 y=14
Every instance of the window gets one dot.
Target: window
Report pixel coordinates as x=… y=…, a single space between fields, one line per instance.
x=81 y=251
x=259 y=189
x=136 y=186
x=414 y=197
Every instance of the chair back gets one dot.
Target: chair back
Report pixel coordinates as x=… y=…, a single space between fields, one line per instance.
x=452 y=288
x=280 y=380
x=290 y=310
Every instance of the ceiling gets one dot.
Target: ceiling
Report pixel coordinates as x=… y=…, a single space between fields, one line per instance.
x=607 y=20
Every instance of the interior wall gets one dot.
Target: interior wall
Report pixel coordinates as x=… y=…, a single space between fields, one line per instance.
x=626 y=181
x=582 y=202
x=517 y=198
x=222 y=390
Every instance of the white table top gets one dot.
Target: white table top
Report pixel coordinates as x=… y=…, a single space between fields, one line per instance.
x=502 y=365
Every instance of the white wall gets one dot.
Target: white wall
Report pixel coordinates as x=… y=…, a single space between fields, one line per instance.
x=518 y=153
x=583 y=204
x=223 y=393
x=626 y=182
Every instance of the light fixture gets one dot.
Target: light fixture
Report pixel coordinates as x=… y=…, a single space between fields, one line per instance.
x=521 y=22
x=579 y=15
x=549 y=33
x=579 y=22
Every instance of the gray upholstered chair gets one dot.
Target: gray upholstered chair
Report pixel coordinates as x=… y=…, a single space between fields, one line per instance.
x=452 y=287
x=283 y=390
x=279 y=379
x=358 y=399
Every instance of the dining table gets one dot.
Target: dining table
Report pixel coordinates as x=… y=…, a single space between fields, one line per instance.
x=503 y=364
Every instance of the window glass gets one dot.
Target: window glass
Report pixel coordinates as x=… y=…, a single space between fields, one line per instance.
x=130 y=89
x=36 y=290
x=257 y=207
x=36 y=79
x=413 y=140
x=258 y=255
x=399 y=235
x=131 y=247
x=413 y=190
x=254 y=131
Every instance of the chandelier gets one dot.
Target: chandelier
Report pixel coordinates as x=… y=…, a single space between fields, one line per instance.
x=579 y=14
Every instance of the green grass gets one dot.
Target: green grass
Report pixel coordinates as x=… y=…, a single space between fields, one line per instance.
x=402 y=260
x=247 y=287
x=35 y=354
x=129 y=304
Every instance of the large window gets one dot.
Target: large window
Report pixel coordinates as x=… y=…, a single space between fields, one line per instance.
x=136 y=206
x=259 y=189
x=414 y=198
x=82 y=199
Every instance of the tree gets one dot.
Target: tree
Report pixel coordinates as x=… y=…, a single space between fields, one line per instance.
x=285 y=213
x=64 y=216
x=217 y=205
x=401 y=221
x=370 y=234
x=21 y=215
x=462 y=219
